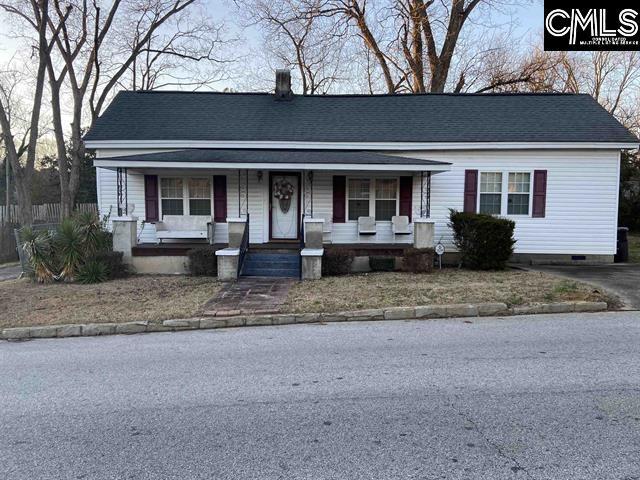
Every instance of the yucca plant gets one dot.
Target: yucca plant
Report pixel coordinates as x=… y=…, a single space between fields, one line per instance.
x=38 y=247
x=92 y=272
x=70 y=248
x=94 y=237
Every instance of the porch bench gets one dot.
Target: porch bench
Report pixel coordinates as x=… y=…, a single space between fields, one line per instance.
x=185 y=227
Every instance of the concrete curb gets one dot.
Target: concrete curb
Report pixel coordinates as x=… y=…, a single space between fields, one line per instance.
x=392 y=313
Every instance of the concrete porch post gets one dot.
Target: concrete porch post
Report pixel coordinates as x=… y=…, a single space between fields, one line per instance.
x=313 y=251
x=125 y=236
x=423 y=233
x=229 y=257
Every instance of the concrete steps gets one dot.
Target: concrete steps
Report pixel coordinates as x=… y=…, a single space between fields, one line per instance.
x=276 y=264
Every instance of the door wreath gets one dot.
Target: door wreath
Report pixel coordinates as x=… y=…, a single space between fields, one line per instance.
x=283 y=191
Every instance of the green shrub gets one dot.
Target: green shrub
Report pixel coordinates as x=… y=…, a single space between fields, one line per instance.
x=336 y=261
x=113 y=261
x=203 y=262
x=379 y=263
x=485 y=242
x=418 y=260
x=92 y=271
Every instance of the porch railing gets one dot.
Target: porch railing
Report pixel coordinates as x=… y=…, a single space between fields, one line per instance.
x=244 y=246
x=301 y=245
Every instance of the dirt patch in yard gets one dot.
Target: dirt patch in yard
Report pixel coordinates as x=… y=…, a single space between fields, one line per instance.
x=379 y=290
x=152 y=298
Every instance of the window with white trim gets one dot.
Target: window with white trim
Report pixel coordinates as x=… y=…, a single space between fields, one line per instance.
x=372 y=197
x=185 y=196
x=172 y=196
x=490 y=193
x=519 y=191
x=199 y=196
x=358 y=197
x=386 y=198
x=493 y=186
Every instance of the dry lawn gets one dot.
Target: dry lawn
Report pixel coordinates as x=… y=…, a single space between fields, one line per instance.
x=152 y=298
x=378 y=290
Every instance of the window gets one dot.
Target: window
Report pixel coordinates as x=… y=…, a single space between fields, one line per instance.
x=172 y=196
x=519 y=188
x=377 y=197
x=490 y=193
x=386 y=192
x=185 y=196
x=358 y=198
x=199 y=196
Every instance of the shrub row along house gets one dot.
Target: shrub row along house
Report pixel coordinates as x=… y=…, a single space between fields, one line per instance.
x=258 y=173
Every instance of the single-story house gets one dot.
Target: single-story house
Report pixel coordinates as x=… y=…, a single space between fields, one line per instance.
x=364 y=171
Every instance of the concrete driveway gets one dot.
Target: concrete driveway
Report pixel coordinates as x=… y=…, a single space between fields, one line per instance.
x=622 y=279
x=546 y=397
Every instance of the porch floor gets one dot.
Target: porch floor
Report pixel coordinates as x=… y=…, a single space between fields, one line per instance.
x=181 y=249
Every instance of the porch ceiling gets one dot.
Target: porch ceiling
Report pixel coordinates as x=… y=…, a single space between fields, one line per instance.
x=273 y=160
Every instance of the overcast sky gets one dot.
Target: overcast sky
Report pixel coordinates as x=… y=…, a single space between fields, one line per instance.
x=527 y=19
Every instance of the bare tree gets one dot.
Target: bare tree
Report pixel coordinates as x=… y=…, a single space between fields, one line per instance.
x=21 y=150
x=135 y=43
x=312 y=46
x=409 y=45
x=611 y=78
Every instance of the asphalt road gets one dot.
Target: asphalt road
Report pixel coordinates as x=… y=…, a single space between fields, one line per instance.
x=547 y=397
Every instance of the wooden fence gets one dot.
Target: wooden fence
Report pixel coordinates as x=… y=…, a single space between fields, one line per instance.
x=46 y=213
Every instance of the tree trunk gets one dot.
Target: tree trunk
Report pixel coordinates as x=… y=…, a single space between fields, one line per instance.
x=23 y=195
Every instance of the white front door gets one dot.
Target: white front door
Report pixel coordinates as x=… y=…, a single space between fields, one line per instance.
x=284 y=206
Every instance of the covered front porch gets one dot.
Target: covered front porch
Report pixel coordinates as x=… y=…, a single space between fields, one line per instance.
x=257 y=199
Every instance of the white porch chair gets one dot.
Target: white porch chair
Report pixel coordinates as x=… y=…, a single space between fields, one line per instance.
x=400 y=225
x=366 y=226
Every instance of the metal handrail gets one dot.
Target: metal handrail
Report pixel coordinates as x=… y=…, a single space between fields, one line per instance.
x=244 y=245
x=301 y=244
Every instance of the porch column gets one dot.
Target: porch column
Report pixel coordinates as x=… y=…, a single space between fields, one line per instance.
x=425 y=194
x=124 y=231
x=313 y=251
x=228 y=258
x=122 y=192
x=423 y=233
x=307 y=194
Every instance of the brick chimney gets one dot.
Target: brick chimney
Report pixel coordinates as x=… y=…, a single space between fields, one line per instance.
x=283 y=85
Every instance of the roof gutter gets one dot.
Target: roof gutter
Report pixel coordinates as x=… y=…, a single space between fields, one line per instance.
x=378 y=146
x=115 y=162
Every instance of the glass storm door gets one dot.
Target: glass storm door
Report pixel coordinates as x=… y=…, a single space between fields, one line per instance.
x=284 y=206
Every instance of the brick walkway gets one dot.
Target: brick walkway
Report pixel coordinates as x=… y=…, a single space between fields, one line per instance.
x=250 y=295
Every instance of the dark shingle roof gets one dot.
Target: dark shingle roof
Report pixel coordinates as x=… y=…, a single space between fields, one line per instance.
x=358 y=118
x=276 y=156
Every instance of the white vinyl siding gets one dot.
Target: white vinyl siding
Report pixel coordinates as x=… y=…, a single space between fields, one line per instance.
x=581 y=200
